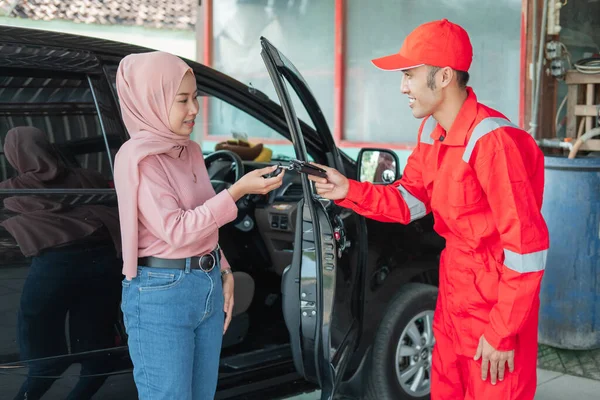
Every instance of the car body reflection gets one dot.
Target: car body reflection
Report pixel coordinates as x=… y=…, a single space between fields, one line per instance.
x=69 y=269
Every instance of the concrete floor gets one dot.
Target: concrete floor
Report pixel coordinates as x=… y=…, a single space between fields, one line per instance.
x=582 y=363
x=551 y=386
x=558 y=386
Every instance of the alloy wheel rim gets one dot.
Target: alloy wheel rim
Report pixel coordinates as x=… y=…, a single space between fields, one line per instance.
x=414 y=355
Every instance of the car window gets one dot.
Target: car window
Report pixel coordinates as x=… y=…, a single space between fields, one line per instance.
x=219 y=121
x=63 y=109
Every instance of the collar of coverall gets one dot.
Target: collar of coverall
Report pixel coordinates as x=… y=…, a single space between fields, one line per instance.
x=457 y=136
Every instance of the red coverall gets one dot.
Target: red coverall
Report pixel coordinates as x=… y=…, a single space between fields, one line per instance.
x=483 y=180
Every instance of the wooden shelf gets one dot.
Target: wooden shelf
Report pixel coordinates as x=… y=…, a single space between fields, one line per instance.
x=583 y=104
x=575 y=77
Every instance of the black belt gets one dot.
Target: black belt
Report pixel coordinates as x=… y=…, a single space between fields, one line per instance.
x=206 y=262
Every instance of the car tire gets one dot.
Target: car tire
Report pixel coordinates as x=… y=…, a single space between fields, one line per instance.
x=395 y=356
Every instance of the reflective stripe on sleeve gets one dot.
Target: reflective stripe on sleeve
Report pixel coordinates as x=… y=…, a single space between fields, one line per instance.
x=417 y=207
x=523 y=263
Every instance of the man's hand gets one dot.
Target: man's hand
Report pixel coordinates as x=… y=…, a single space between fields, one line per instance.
x=494 y=360
x=228 y=297
x=334 y=187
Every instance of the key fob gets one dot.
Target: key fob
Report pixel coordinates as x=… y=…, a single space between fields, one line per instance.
x=274 y=173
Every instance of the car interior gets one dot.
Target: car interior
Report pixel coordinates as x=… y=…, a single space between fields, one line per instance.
x=259 y=246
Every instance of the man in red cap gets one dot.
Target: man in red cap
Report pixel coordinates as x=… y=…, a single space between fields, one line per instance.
x=483 y=178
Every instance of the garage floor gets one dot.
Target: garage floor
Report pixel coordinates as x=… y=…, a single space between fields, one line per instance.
x=562 y=375
x=551 y=386
x=583 y=363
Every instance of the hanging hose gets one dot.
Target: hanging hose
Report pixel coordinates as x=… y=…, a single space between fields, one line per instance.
x=588 y=135
x=562 y=104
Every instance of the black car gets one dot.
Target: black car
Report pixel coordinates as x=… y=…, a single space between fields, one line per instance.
x=324 y=297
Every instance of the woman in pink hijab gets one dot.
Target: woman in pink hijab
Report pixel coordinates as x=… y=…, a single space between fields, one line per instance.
x=178 y=284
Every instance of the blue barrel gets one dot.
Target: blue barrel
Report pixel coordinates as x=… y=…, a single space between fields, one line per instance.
x=570 y=292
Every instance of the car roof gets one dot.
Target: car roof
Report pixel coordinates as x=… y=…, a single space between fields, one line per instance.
x=11 y=34
x=63 y=51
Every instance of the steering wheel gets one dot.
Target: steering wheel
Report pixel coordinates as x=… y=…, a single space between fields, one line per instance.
x=236 y=163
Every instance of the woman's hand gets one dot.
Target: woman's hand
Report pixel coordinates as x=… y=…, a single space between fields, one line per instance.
x=228 y=297
x=254 y=183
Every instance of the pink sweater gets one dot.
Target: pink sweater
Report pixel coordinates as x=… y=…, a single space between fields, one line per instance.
x=178 y=217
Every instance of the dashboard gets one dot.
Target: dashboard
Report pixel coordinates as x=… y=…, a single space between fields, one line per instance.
x=272 y=216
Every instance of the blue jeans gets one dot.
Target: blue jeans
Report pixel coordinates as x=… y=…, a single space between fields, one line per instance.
x=174 y=320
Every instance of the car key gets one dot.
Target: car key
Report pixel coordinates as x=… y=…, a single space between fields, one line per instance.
x=274 y=173
x=306 y=168
x=300 y=167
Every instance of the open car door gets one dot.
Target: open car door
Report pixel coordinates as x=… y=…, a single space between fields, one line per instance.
x=321 y=287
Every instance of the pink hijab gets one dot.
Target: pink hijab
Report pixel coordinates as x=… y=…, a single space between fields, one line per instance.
x=146 y=84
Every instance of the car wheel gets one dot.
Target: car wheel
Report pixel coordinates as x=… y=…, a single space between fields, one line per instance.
x=402 y=350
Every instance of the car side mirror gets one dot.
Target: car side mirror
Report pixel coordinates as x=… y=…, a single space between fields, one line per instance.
x=378 y=166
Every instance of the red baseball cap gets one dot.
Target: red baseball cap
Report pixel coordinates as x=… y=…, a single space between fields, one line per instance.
x=436 y=43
